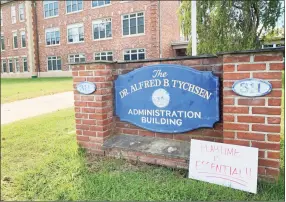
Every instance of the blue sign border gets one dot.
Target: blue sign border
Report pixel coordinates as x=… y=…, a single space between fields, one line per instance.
x=185 y=68
x=90 y=83
x=251 y=79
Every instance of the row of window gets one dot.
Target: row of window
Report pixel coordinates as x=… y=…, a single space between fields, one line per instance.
x=51 y=8
x=15 y=40
x=13 y=65
x=102 y=29
x=55 y=63
x=21 y=15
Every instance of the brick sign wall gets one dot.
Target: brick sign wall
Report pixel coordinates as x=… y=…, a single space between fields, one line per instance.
x=253 y=122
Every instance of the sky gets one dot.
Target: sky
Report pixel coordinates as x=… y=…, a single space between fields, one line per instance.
x=281 y=20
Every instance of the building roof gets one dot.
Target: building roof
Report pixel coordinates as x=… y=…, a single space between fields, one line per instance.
x=179 y=44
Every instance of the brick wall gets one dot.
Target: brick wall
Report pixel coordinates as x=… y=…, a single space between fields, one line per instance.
x=149 y=40
x=254 y=122
x=94 y=113
x=170 y=26
x=7 y=31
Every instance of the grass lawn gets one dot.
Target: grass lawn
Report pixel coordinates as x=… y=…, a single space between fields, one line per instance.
x=41 y=161
x=13 y=89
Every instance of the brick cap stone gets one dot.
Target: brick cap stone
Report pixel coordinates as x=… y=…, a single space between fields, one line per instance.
x=266 y=50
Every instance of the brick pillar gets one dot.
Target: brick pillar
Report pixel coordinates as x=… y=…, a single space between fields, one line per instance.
x=94 y=112
x=32 y=34
x=254 y=122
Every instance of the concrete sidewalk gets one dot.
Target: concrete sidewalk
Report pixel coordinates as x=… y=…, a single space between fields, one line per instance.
x=23 y=109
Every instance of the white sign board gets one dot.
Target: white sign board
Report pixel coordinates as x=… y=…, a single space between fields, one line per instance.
x=252 y=87
x=224 y=164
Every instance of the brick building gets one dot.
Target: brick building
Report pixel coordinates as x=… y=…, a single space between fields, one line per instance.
x=41 y=38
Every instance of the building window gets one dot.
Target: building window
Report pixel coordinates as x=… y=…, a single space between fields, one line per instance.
x=17 y=66
x=51 y=8
x=1 y=18
x=23 y=39
x=102 y=29
x=52 y=36
x=100 y=3
x=74 y=6
x=134 y=54
x=76 y=58
x=54 y=63
x=25 y=64
x=133 y=23
x=2 y=43
x=75 y=33
x=104 y=56
x=21 y=12
x=4 y=65
x=15 y=40
x=13 y=14
x=10 y=65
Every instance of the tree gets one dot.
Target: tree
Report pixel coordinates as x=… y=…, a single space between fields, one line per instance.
x=229 y=25
x=276 y=33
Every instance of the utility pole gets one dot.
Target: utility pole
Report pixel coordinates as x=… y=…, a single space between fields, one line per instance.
x=194 y=27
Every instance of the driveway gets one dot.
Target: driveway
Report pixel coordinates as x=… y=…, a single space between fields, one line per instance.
x=23 y=109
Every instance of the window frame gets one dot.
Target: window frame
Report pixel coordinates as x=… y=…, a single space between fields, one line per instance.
x=54 y=29
x=21 y=34
x=50 y=2
x=16 y=63
x=23 y=60
x=75 y=57
x=137 y=34
x=73 y=26
x=100 y=6
x=92 y=28
x=22 y=4
x=10 y=59
x=137 y=54
x=2 y=62
x=2 y=36
x=1 y=17
x=67 y=13
x=94 y=55
x=14 y=41
x=79 y=54
x=57 y=57
x=14 y=13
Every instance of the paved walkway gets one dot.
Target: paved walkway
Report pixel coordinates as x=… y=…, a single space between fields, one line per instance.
x=23 y=109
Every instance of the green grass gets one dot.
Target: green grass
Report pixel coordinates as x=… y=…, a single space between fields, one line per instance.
x=41 y=161
x=13 y=89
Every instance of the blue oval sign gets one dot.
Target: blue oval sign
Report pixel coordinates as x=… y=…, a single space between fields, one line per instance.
x=86 y=87
x=252 y=87
x=168 y=98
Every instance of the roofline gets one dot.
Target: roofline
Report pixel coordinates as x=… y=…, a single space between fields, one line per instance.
x=280 y=49
x=266 y=50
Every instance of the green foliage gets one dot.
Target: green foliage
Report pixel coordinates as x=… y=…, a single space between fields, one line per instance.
x=40 y=161
x=229 y=25
x=274 y=34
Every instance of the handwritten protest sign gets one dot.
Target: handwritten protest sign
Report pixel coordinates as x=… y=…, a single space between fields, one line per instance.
x=224 y=164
